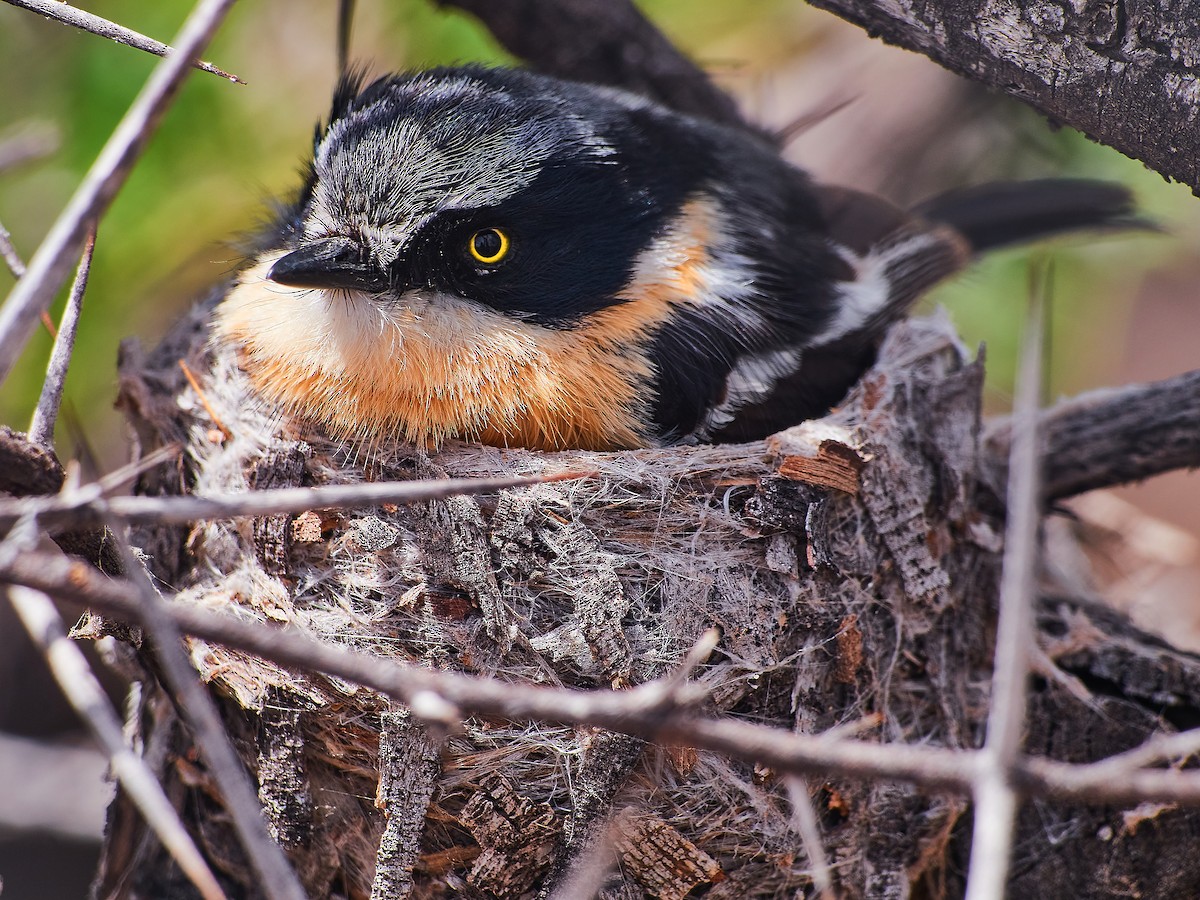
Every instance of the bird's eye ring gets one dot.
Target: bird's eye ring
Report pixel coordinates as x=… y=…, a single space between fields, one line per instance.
x=489 y=245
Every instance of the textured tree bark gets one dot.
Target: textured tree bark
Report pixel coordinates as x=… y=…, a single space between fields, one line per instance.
x=1121 y=71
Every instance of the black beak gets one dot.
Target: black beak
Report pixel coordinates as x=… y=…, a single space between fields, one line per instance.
x=335 y=262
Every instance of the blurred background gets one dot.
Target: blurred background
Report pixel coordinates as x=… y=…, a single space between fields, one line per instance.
x=1125 y=308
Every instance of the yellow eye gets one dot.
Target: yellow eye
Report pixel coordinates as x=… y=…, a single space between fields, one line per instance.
x=489 y=245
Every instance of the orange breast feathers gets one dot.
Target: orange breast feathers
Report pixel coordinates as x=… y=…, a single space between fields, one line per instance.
x=431 y=366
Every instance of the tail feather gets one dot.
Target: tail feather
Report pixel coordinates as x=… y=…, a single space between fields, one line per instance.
x=1005 y=213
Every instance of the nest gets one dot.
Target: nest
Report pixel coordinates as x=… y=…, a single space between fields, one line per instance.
x=844 y=563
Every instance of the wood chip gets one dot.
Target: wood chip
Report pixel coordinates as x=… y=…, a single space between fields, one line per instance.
x=665 y=863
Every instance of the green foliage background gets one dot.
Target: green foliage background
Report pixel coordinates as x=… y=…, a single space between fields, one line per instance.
x=226 y=149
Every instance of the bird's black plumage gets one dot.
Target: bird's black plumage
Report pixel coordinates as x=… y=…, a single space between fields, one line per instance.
x=714 y=289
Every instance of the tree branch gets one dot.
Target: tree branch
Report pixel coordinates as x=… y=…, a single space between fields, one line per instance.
x=605 y=43
x=1109 y=437
x=1125 y=77
x=88 y=505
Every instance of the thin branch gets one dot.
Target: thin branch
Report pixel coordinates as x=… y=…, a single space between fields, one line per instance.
x=88 y=505
x=70 y=669
x=74 y=676
x=1159 y=748
x=277 y=877
x=12 y=258
x=41 y=429
x=1093 y=783
x=649 y=710
x=806 y=824
x=995 y=793
x=16 y=265
x=78 y=18
x=49 y=266
x=639 y=711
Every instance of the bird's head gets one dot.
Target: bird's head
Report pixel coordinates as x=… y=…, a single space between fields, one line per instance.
x=473 y=185
x=476 y=253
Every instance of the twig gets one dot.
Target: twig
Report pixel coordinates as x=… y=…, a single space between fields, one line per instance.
x=1159 y=748
x=41 y=429
x=49 y=266
x=641 y=711
x=638 y=711
x=804 y=820
x=88 y=505
x=70 y=669
x=74 y=676
x=995 y=792
x=78 y=18
x=119 y=478
x=241 y=799
x=17 y=266
x=12 y=258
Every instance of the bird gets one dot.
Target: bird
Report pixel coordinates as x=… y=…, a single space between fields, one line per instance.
x=497 y=256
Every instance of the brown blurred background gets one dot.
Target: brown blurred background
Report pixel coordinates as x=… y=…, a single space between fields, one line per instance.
x=1124 y=308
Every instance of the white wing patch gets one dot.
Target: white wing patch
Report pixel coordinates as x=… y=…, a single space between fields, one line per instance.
x=752 y=380
x=871 y=292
